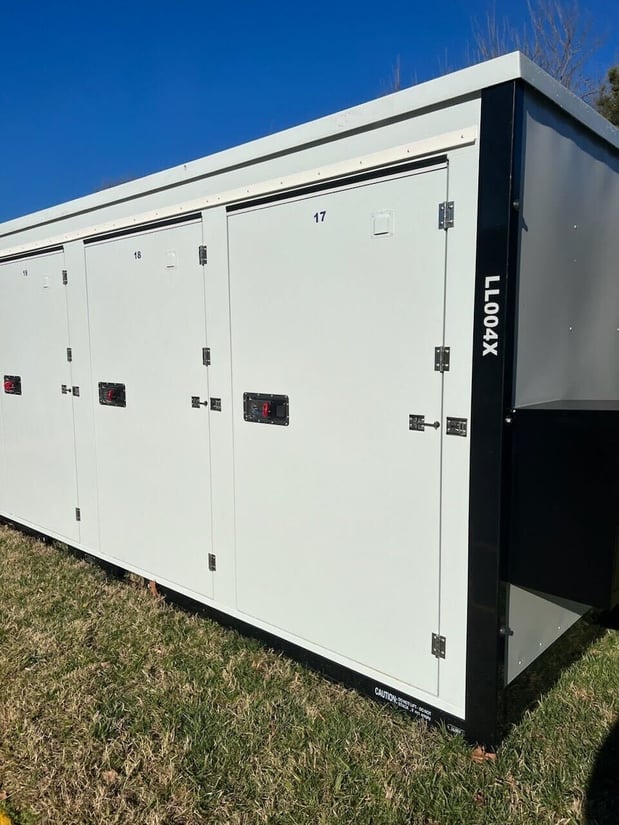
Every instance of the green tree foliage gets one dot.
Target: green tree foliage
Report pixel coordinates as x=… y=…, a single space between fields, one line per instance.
x=607 y=102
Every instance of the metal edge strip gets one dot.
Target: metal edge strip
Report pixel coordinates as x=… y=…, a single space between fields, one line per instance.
x=417 y=149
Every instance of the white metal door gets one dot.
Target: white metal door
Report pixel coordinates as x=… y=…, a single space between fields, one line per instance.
x=337 y=301
x=37 y=423
x=147 y=327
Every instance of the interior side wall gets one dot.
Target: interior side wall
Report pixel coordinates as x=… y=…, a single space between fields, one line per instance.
x=568 y=303
x=535 y=621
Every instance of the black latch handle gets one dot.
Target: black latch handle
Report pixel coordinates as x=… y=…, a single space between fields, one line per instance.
x=418 y=422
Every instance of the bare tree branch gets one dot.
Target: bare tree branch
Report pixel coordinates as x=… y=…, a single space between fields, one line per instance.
x=396 y=75
x=556 y=36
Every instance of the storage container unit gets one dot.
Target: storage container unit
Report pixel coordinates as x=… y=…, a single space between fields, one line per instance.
x=354 y=386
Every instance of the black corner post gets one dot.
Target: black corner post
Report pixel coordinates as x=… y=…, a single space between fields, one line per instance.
x=493 y=355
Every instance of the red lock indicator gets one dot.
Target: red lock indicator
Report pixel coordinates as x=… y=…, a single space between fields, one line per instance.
x=265 y=408
x=112 y=394
x=12 y=384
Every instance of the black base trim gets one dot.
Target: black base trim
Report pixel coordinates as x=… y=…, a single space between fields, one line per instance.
x=379 y=691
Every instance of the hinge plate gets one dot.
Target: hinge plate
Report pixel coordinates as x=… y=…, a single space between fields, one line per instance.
x=446 y=215
x=456 y=426
x=69 y=354
x=212 y=562
x=65 y=277
x=206 y=356
x=439 y=645
x=202 y=254
x=442 y=357
x=416 y=422
x=78 y=514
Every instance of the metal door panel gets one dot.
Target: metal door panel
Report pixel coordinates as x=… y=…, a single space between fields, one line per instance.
x=337 y=301
x=38 y=433
x=147 y=330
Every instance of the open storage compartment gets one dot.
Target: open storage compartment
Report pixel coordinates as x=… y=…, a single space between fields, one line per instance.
x=564 y=525
x=563 y=476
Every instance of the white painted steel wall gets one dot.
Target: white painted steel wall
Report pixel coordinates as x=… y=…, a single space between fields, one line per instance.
x=338 y=514
x=85 y=306
x=38 y=451
x=146 y=311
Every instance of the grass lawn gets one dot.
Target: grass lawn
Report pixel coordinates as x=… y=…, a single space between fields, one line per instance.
x=116 y=707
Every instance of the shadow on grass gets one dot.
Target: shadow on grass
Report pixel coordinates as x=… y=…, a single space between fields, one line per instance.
x=602 y=800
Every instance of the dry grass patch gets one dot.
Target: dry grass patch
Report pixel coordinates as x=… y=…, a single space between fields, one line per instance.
x=119 y=708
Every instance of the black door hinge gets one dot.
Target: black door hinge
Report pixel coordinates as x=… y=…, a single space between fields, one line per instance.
x=65 y=277
x=206 y=356
x=439 y=644
x=202 y=254
x=78 y=514
x=212 y=562
x=69 y=354
x=441 y=359
x=446 y=215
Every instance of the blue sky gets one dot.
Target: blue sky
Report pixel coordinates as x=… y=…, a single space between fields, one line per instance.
x=97 y=92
